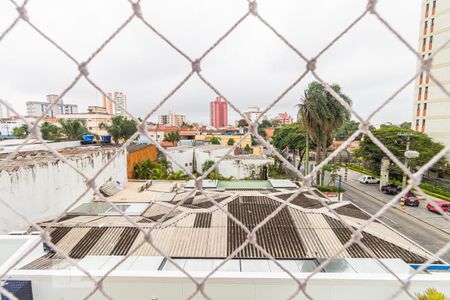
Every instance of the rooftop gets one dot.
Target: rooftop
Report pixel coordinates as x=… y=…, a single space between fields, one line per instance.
x=198 y=228
x=35 y=157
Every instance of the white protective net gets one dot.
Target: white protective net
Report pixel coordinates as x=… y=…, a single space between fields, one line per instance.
x=194 y=69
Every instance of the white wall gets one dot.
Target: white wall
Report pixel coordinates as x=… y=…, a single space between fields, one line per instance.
x=241 y=168
x=42 y=191
x=154 y=285
x=184 y=157
x=203 y=155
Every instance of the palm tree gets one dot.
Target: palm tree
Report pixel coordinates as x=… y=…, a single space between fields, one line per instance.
x=21 y=132
x=73 y=129
x=173 y=137
x=120 y=129
x=321 y=114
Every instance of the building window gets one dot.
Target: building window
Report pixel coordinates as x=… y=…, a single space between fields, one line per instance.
x=417 y=125
x=425 y=27
x=420 y=94
x=423 y=125
x=434 y=8
x=418 y=110
x=425 y=97
x=424 y=44
x=430 y=46
x=424 y=113
x=427 y=9
x=421 y=78
x=432 y=26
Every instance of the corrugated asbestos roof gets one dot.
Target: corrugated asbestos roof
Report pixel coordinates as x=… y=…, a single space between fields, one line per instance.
x=303 y=229
x=197 y=228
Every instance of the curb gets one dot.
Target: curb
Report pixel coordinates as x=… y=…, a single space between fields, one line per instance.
x=397 y=208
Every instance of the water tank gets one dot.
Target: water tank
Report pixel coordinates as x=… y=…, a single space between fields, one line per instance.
x=106 y=139
x=88 y=138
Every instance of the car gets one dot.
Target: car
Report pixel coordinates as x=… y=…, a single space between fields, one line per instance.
x=410 y=199
x=368 y=179
x=444 y=205
x=391 y=189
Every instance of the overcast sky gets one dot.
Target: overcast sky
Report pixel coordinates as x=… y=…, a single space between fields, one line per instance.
x=251 y=67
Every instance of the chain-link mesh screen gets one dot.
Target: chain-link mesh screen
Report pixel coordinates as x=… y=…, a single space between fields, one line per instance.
x=193 y=68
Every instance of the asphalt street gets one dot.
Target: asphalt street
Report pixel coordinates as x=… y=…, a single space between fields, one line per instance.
x=423 y=234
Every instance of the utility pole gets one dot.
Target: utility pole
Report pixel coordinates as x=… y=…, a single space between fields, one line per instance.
x=408 y=154
x=307 y=155
x=408 y=140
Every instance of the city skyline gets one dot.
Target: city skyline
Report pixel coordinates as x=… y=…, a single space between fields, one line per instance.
x=372 y=78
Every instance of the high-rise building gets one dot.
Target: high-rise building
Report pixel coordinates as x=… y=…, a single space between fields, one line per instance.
x=37 y=108
x=431 y=112
x=172 y=119
x=117 y=105
x=284 y=118
x=218 y=113
x=52 y=97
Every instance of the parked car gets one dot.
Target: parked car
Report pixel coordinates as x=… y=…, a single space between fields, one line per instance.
x=444 y=205
x=410 y=199
x=391 y=189
x=368 y=179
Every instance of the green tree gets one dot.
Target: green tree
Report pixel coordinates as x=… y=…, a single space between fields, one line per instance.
x=121 y=128
x=231 y=142
x=405 y=125
x=73 y=129
x=321 y=114
x=173 y=137
x=242 y=123
x=291 y=137
x=265 y=124
x=347 y=128
x=21 y=132
x=206 y=165
x=389 y=136
x=248 y=149
x=276 y=123
x=215 y=140
x=50 y=131
x=431 y=294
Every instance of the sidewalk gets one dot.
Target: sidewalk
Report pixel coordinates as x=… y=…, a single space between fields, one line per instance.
x=420 y=212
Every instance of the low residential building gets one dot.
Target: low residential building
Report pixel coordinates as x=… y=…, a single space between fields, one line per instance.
x=172 y=119
x=97 y=109
x=7 y=125
x=38 y=108
x=198 y=236
x=92 y=121
x=253 y=113
x=245 y=166
x=224 y=138
x=236 y=166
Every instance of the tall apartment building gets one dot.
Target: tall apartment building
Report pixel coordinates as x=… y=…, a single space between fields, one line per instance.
x=431 y=113
x=37 y=108
x=171 y=119
x=117 y=106
x=218 y=113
